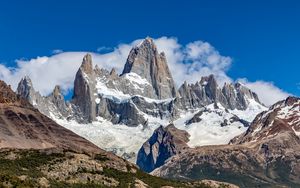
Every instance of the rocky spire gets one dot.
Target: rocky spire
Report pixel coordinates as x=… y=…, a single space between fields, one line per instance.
x=57 y=98
x=26 y=90
x=25 y=87
x=145 y=61
x=57 y=91
x=84 y=89
x=113 y=73
x=207 y=91
x=87 y=65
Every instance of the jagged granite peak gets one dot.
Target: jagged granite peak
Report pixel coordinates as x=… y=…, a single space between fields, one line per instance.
x=147 y=62
x=57 y=92
x=207 y=91
x=57 y=98
x=87 y=65
x=25 y=87
x=84 y=90
x=211 y=84
x=26 y=90
x=113 y=73
x=53 y=104
x=164 y=143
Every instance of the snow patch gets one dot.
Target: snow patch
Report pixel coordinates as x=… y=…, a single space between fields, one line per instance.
x=209 y=130
x=250 y=113
x=117 y=138
x=97 y=100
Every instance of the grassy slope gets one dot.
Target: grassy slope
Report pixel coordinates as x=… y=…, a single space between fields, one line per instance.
x=15 y=164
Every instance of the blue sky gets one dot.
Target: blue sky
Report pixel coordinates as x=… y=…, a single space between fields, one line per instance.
x=261 y=37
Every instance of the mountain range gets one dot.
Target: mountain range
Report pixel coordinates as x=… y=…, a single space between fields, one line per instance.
x=37 y=152
x=142 y=98
x=196 y=131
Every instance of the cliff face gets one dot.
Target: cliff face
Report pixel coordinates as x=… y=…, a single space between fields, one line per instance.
x=84 y=89
x=206 y=91
x=147 y=62
x=53 y=105
x=164 y=143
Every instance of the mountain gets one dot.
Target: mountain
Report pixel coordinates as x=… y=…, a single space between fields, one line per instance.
x=266 y=155
x=106 y=105
x=37 y=152
x=24 y=127
x=281 y=117
x=145 y=61
x=206 y=91
x=164 y=143
x=53 y=105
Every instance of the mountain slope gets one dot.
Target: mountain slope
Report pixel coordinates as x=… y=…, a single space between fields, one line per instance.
x=37 y=152
x=266 y=155
x=23 y=126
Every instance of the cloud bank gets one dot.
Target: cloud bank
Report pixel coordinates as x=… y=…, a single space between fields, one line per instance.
x=186 y=62
x=268 y=93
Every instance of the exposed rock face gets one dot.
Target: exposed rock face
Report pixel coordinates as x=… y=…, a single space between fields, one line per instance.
x=164 y=143
x=52 y=105
x=25 y=89
x=58 y=100
x=207 y=91
x=268 y=154
x=84 y=89
x=146 y=61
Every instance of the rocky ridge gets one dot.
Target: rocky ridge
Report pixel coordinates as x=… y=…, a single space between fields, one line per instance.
x=266 y=155
x=145 y=88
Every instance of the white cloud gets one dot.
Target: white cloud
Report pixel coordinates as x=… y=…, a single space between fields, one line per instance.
x=57 y=51
x=267 y=92
x=103 y=49
x=187 y=62
x=194 y=60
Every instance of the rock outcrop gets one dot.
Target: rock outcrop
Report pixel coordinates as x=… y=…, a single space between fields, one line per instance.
x=53 y=105
x=84 y=90
x=164 y=143
x=207 y=91
x=147 y=62
x=266 y=155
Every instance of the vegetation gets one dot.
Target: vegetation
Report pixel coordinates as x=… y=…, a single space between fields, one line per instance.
x=22 y=168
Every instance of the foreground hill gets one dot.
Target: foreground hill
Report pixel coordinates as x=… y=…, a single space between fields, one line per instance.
x=266 y=155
